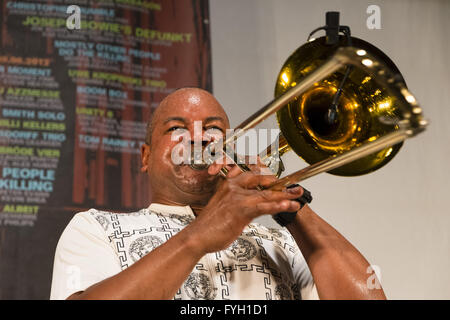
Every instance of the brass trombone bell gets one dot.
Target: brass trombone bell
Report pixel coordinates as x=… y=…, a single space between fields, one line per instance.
x=362 y=106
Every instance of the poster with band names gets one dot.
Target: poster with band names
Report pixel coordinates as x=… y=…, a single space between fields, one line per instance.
x=74 y=104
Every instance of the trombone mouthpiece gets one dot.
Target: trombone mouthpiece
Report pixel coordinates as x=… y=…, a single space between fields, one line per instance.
x=201 y=160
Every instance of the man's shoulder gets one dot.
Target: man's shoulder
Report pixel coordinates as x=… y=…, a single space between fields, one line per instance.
x=105 y=218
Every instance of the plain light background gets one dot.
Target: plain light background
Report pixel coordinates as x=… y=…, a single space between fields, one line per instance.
x=398 y=216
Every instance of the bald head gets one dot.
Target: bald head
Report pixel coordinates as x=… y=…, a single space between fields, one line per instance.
x=184 y=98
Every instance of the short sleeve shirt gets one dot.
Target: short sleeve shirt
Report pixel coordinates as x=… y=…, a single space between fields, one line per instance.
x=262 y=263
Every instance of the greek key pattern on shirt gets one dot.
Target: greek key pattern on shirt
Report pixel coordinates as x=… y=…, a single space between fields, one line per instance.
x=213 y=279
x=118 y=242
x=131 y=245
x=279 y=236
x=247 y=258
x=267 y=261
x=276 y=284
x=226 y=270
x=225 y=289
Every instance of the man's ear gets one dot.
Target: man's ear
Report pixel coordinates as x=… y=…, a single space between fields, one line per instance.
x=145 y=156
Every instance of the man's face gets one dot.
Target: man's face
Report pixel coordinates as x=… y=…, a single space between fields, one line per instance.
x=176 y=116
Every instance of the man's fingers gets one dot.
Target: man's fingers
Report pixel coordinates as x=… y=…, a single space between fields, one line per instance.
x=263 y=208
x=214 y=168
x=249 y=180
x=269 y=195
x=271 y=202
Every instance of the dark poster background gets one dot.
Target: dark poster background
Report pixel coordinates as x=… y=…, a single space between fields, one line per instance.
x=73 y=111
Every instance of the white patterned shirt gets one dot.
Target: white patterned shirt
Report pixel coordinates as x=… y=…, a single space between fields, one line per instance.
x=262 y=263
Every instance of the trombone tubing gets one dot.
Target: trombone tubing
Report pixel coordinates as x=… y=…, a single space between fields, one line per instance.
x=341 y=58
x=342 y=159
x=330 y=66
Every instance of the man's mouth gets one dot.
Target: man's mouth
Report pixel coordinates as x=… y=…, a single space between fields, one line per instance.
x=199 y=167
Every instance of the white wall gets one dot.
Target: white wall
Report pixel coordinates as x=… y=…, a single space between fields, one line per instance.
x=398 y=216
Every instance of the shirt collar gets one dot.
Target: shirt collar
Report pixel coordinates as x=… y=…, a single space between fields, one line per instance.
x=166 y=209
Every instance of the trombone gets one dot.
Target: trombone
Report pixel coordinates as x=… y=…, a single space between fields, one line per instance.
x=342 y=107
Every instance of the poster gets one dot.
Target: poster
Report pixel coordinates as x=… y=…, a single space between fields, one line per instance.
x=73 y=110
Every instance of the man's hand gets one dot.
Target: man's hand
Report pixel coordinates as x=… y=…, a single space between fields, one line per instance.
x=235 y=204
x=338 y=268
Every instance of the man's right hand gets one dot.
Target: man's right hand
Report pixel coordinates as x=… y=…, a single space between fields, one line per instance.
x=235 y=204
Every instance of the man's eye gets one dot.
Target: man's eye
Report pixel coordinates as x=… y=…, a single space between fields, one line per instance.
x=174 y=128
x=214 y=129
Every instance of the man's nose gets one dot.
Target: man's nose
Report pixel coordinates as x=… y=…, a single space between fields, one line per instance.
x=202 y=141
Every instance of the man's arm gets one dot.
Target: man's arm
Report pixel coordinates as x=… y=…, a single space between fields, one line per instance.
x=161 y=272
x=338 y=268
x=158 y=275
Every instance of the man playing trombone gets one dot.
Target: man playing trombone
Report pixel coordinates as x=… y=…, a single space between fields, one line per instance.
x=197 y=239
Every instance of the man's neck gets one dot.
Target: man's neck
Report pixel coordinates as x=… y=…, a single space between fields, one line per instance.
x=197 y=210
